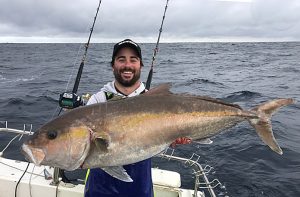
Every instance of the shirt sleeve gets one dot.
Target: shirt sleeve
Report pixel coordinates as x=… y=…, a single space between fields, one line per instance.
x=99 y=97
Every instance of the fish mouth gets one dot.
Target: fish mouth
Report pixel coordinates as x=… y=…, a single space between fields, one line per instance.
x=34 y=155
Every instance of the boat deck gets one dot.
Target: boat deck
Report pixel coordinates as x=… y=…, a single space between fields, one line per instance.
x=36 y=182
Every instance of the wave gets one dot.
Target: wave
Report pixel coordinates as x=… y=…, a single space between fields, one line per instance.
x=47 y=98
x=27 y=101
x=290 y=69
x=284 y=55
x=202 y=81
x=241 y=96
x=4 y=80
x=18 y=101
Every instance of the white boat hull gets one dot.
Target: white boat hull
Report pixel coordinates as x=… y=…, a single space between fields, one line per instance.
x=166 y=183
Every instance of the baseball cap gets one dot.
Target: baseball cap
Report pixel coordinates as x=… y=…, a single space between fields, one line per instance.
x=127 y=43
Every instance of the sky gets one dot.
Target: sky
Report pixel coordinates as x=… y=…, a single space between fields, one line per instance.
x=186 y=20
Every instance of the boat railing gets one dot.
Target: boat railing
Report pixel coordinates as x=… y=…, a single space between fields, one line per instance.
x=199 y=171
x=27 y=129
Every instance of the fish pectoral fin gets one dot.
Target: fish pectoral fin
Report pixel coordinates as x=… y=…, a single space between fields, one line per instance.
x=101 y=144
x=204 y=141
x=118 y=172
x=101 y=140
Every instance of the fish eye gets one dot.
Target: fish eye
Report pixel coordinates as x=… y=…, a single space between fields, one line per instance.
x=51 y=135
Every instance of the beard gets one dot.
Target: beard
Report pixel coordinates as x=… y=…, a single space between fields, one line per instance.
x=127 y=82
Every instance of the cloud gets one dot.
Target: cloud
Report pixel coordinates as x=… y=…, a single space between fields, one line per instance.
x=187 y=20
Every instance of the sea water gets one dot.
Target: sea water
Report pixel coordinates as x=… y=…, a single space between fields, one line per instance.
x=33 y=75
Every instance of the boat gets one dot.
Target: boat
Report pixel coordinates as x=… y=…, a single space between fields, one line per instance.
x=24 y=179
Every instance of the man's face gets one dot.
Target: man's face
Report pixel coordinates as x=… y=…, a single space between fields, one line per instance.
x=127 y=67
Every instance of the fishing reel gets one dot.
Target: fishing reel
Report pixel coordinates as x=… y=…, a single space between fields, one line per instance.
x=69 y=100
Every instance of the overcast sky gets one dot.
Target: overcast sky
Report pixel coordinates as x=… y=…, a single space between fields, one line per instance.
x=186 y=20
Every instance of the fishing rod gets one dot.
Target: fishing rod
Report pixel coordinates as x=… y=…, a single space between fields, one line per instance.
x=71 y=100
x=150 y=74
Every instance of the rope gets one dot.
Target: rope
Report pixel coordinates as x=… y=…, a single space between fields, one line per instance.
x=30 y=180
x=21 y=135
x=16 y=189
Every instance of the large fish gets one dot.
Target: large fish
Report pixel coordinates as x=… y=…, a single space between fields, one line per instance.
x=110 y=135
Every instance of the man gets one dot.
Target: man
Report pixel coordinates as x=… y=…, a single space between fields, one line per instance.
x=126 y=64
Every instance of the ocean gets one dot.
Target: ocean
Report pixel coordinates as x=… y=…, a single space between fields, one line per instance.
x=33 y=75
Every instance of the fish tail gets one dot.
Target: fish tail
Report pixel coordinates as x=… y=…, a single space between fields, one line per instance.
x=262 y=124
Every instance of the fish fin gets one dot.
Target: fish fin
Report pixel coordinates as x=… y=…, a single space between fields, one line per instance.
x=118 y=172
x=204 y=141
x=218 y=101
x=161 y=89
x=101 y=144
x=262 y=124
x=101 y=140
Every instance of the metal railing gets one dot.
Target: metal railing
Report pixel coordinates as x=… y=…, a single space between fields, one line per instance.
x=199 y=171
x=25 y=130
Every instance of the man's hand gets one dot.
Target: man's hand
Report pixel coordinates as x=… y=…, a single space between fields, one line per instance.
x=181 y=140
